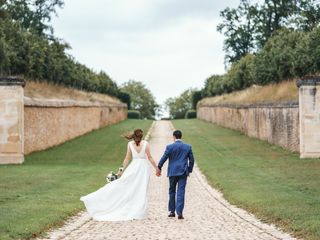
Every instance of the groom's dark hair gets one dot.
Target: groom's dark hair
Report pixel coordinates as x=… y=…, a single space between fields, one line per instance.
x=177 y=134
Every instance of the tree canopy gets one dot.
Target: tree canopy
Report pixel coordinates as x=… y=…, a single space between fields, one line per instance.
x=29 y=48
x=141 y=97
x=267 y=42
x=178 y=106
x=248 y=27
x=286 y=55
x=33 y=15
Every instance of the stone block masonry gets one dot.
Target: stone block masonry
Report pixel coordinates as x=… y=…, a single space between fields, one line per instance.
x=28 y=125
x=275 y=123
x=11 y=120
x=52 y=122
x=309 y=98
x=293 y=125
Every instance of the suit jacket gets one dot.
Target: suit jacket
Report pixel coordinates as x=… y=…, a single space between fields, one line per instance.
x=181 y=159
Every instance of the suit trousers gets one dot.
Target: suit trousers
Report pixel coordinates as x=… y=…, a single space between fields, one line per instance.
x=177 y=194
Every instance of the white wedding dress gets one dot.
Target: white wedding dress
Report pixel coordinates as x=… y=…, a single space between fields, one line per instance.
x=126 y=197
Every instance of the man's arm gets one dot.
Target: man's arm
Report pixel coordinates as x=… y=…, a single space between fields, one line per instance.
x=191 y=160
x=164 y=158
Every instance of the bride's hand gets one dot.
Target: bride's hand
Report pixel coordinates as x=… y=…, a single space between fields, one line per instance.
x=120 y=172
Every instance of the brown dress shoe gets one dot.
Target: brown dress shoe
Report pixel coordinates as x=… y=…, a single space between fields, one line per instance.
x=171 y=214
x=180 y=217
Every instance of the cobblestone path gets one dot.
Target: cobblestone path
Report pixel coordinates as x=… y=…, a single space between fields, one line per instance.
x=207 y=214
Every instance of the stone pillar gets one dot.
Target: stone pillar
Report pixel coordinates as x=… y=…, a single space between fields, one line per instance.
x=11 y=120
x=309 y=112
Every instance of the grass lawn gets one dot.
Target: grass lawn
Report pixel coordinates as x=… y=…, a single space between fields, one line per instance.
x=268 y=181
x=45 y=190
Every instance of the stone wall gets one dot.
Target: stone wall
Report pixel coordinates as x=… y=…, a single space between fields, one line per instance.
x=50 y=122
x=11 y=120
x=309 y=99
x=276 y=123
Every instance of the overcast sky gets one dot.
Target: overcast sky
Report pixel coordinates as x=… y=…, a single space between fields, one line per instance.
x=169 y=45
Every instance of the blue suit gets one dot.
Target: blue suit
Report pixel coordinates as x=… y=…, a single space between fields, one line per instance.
x=181 y=163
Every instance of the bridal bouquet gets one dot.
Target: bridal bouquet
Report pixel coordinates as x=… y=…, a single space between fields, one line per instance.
x=111 y=176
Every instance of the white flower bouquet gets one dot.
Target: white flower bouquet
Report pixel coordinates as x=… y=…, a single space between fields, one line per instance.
x=111 y=176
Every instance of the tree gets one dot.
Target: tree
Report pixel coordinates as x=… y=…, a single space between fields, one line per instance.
x=308 y=52
x=141 y=98
x=178 y=106
x=3 y=12
x=23 y=51
x=309 y=16
x=238 y=25
x=249 y=26
x=196 y=97
x=273 y=15
x=276 y=61
x=106 y=85
x=241 y=73
x=215 y=85
x=33 y=15
x=125 y=98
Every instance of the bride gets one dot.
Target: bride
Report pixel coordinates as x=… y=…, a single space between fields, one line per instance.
x=126 y=197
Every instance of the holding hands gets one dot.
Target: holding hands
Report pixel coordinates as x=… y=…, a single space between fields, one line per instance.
x=158 y=172
x=150 y=158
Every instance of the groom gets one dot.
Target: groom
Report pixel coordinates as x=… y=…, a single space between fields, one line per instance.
x=181 y=162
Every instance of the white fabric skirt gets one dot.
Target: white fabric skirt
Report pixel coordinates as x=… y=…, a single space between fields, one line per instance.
x=124 y=198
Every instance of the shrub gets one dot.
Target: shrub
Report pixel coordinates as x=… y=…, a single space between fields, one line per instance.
x=276 y=60
x=286 y=55
x=240 y=76
x=308 y=52
x=314 y=50
x=241 y=73
x=191 y=114
x=22 y=52
x=215 y=85
x=133 y=114
x=125 y=98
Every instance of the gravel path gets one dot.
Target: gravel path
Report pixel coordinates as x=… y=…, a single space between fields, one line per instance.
x=207 y=214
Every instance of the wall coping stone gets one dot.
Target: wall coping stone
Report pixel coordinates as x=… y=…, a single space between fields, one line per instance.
x=12 y=81
x=60 y=103
x=289 y=104
x=308 y=81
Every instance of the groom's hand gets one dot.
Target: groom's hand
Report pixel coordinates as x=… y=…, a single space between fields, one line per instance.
x=158 y=172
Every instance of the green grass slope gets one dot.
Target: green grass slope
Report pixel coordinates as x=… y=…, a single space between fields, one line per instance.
x=266 y=180
x=45 y=190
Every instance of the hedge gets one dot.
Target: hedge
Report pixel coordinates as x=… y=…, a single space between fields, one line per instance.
x=133 y=114
x=191 y=114
x=288 y=54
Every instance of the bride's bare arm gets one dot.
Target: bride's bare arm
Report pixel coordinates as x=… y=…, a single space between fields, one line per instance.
x=150 y=157
x=127 y=157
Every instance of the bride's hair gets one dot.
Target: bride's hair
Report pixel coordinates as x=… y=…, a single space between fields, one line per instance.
x=137 y=136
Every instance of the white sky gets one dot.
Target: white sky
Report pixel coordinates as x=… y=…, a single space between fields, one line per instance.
x=170 y=45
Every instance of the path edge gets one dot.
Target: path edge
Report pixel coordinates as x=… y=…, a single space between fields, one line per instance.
x=82 y=217
x=267 y=228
